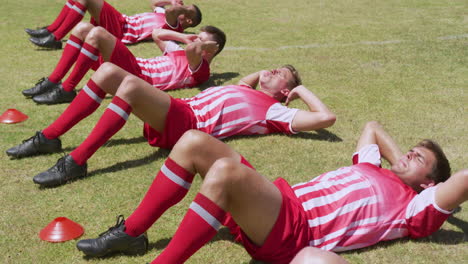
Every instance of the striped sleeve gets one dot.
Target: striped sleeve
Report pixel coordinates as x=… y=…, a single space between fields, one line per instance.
x=423 y=215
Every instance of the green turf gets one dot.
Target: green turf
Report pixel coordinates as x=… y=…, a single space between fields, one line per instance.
x=402 y=62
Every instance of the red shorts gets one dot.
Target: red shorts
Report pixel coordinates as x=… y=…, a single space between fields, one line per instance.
x=288 y=236
x=124 y=58
x=179 y=120
x=112 y=20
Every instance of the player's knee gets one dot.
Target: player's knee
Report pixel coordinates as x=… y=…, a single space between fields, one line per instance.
x=223 y=173
x=96 y=34
x=192 y=141
x=129 y=89
x=82 y=29
x=107 y=69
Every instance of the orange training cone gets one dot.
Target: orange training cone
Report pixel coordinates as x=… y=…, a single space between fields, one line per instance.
x=61 y=229
x=11 y=116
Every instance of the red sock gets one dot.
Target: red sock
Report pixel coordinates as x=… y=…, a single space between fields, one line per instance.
x=74 y=16
x=113 y=119
x=199 y=226
x=168 y=188
x=69 y=55
x=63 y=13
x=88 y=56
x=85 y=103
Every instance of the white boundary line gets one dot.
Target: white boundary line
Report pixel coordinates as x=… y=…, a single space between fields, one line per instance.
x=361 y=43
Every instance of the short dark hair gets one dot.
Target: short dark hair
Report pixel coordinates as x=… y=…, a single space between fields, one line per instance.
x=441 y=169
x=296 y=77
x=217 y=36
x=197 y=18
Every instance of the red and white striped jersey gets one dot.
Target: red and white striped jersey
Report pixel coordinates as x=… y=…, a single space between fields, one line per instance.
x=358 y=206
x=172 y=71
x=140 y=26
x=240 y=110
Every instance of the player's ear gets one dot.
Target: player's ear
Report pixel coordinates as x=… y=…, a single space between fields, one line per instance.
x=427 y=185
x=285 y=91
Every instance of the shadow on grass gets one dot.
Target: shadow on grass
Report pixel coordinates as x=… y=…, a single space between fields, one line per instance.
x=125 y=165
x=115 y=142
x=321 y=134
x=217 y=79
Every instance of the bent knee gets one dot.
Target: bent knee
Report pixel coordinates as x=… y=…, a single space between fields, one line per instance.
x=193 y=140
x=82 y=29
x=224 y=172
x=96 y=33
x=130 y=88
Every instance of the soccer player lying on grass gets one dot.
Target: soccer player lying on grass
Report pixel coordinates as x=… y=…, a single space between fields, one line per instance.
x=130 y=29
x=345 y=209
x=89 y=46
x=222 y=111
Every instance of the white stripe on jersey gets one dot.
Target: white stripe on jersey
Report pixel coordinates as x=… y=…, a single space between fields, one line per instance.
x=69 y=5
x=138 y=17
x=326 y=176
x=140 y=26
x=157 y=74
x=325 y=184
x=213 y=104
x=175 y=178
x=131 y=35
x=74 y=44
x=336 y=196
x=91 y=94
x=150 y=65
x=343 y=210
x=211 y=220
x=118 y=111
x=207 y=97
x=340 y=232
x=225 y=127
x=224 y=111
x=182 y=83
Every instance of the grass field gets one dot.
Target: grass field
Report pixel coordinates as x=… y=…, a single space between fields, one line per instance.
x=401 y=62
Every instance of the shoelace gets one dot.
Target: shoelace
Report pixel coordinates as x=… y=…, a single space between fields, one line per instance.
x=61 y=164
x=40 y=80
x=35 y=140
x=120 y=219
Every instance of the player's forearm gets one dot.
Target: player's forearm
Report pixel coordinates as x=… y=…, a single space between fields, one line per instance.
x=160 y=3
x=165 y=34
x=374 y=133
x=250 y=80
x=312 y=101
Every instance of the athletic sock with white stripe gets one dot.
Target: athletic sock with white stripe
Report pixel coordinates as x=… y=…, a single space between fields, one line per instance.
x=69 y=55
x=88 y=56
x=61 y=17
x=113 y=119
x=168 y=188
x=74 y=16
x=199 y=226
x=84 y=104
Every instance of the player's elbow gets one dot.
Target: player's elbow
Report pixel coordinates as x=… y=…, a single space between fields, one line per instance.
x=462 y=178
x=329 y=119
x=193 y=48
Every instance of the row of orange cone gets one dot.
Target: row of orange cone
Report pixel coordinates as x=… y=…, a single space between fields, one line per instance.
x=61 y=228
